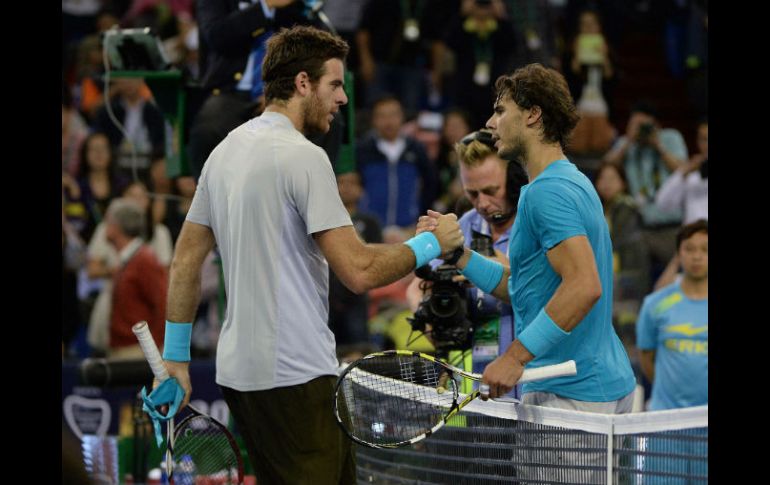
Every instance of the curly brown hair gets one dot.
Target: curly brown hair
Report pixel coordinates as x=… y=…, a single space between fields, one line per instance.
x=536 y=85
x=294 y=50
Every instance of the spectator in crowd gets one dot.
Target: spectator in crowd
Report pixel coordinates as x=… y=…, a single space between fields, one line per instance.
x=398 y=179
x=144 y=125
x=140 y=281
x=672 y=331
x=649 y=154
x=74 y=131
x=72 y=259
x=480 y=38
x=232 y=44
x=87 y=199
x=535 y=30
x=395 y=44
x=631 y=261
x=103 y=261
x=348 y=312
x=592 y=67
x=687 y=189
x=456 y=125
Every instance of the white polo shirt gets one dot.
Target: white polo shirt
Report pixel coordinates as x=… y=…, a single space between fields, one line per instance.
x=264 y=190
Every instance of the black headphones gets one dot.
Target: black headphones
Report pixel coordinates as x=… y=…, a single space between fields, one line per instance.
x=515 y=175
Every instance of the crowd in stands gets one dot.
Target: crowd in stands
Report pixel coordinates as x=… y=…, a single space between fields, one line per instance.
x=424 y=73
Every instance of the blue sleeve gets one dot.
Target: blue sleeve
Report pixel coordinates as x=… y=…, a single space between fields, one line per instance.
x=646 y=330
x=553 y=212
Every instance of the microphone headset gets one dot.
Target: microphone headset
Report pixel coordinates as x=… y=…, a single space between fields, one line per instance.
x=515 y=175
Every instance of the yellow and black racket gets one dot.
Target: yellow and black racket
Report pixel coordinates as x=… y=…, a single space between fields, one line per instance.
x=398 y=397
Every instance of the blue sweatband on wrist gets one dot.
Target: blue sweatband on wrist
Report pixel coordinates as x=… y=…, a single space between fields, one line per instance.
x=425 y=247
x=484 y=273
x=541 y=334
x=177 y=342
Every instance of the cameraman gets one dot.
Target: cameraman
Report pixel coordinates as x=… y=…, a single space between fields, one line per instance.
x=492 y=185
x=650 y=154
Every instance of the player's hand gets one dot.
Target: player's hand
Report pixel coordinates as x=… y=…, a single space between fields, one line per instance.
x=501 y=375
x=181 y=371
x=448 y=233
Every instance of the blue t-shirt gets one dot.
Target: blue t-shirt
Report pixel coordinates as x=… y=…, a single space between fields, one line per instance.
x=677 y=329
x=559 y=204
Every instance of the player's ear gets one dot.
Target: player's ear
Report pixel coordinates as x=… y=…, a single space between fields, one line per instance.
x=302 y=83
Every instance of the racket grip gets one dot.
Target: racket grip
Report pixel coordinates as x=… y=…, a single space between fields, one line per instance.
x=484 y=390
x=567 y=368
x=151 y=353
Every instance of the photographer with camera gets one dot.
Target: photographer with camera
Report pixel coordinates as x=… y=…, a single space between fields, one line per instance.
x=650 y=154
x=688 y=187
x=454 y=316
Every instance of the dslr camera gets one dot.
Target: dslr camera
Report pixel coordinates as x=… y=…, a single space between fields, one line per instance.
x=645 y=131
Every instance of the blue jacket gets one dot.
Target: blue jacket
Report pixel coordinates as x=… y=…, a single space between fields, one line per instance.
x=396 y=193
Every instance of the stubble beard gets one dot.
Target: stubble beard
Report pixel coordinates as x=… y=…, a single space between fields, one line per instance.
x=314 y=115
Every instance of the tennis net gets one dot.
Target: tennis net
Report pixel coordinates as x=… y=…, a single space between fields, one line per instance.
x=504 y=442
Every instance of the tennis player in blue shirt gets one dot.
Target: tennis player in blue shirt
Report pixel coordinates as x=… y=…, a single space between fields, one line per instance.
x=560 y=278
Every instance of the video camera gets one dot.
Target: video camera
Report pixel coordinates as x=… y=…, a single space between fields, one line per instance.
x=445 y=308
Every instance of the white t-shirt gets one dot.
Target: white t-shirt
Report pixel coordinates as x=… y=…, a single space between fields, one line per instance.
x=264 y=190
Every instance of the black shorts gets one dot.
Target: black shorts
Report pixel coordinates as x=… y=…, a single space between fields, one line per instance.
x=291 y=434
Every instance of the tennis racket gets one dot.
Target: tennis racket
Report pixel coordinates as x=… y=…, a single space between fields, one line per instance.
x=199 y=449
x=398 y=397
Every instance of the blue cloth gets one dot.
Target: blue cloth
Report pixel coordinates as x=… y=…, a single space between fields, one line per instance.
x=484 y=273
x=676 y=328
x=168 y=392
x=258 y=53
x=397 y=193
x=559 y=204
x=425 y=247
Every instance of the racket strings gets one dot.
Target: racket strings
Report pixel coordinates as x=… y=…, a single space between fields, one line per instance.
x=387 y=400
x=202 y=449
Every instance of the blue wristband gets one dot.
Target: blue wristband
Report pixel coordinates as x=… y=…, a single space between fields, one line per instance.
x=425 y=247
x=176 y=345
x=541 y=334
x=484 y=273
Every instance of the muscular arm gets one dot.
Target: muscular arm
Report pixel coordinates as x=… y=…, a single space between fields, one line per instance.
x=501 y=290
x=195 y=242
x=580 y=288
x=362 y=267
x=184 y=288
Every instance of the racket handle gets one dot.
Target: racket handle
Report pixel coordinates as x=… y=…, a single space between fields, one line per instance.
x=484 y=390
x=151 y=353
x=567 y=368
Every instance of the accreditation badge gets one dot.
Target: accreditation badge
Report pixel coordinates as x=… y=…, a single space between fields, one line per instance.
x=485 y=342
x=481 y=74
x=411 y=30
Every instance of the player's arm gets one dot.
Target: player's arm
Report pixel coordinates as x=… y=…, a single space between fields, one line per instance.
x=195 y=242
x=362 y=267
x=580 y=288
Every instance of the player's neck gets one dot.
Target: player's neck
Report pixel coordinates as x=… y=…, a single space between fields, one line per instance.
x=291 y=110
x=540 y=157
x=695 y=289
